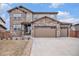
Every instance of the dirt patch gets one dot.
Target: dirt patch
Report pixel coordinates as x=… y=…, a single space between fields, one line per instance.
x=14 y=47
x=27 y=50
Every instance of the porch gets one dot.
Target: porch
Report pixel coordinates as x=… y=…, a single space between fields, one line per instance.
x=26 y=28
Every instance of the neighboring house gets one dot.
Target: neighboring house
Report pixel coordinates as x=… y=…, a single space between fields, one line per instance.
x=2 y=25
x=37 y=24
x=3 y=32
x=2 y=28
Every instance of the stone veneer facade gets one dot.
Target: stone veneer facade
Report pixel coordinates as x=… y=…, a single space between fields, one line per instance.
x=22 y=17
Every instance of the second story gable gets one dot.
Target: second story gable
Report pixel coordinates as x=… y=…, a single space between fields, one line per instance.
x=37 y=15
x=23 y=14
x=20 y=13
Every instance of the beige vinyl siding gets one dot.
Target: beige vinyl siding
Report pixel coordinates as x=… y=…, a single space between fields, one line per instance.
x=37 y=16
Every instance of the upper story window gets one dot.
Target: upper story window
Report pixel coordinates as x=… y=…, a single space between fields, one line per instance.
x=17 y=15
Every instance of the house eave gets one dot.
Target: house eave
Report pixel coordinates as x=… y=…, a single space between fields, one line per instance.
x=62 y=23
x=45 y=17
x=3 y=26
x=31 y=11
x=45 y=12
x=2 y=20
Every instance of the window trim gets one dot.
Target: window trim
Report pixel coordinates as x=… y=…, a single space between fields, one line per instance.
x=17 y=27
x=17 y=15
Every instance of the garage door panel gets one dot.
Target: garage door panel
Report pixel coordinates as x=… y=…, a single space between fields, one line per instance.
x=64 y=32
x=45 y=32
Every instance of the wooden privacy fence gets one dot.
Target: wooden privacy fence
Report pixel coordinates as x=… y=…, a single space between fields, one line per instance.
x=5 y=35
x=8 y=36
x=74 y=34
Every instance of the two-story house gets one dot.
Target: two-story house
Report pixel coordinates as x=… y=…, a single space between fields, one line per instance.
x=37 y=24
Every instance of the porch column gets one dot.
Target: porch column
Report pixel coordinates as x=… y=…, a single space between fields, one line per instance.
x=22 y=29
x=58 y=30
x=69 y=30
x=32 y=30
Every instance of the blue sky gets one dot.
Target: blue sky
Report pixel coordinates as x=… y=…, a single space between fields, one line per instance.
x=68 y=12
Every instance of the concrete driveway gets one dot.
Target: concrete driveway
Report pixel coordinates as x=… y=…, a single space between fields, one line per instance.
x=55 y=47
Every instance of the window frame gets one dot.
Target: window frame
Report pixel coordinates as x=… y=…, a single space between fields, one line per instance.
x=17 y=27
x=22 y=15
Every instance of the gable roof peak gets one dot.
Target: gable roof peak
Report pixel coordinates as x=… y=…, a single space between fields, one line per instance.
x=46 y=17
x=18 y=7
x=25 y=8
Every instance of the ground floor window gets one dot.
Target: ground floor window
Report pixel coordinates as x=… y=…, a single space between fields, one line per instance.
x=17 y=27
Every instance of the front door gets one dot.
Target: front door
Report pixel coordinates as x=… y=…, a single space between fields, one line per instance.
x=27 y=29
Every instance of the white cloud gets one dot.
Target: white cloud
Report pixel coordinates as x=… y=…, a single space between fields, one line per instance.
x=56 y=5
x=64 y=16
x=65 y=13
x=4 y=7
x=70 y=20
x=67 y=17
x=3 y=12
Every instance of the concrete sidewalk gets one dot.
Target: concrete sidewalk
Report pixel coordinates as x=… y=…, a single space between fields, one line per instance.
x=55 y=47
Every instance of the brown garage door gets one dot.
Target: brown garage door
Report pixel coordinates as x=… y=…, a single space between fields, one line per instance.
x=45 y=31
x=64 y=32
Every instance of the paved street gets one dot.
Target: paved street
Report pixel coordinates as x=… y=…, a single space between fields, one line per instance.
x=55 y=47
